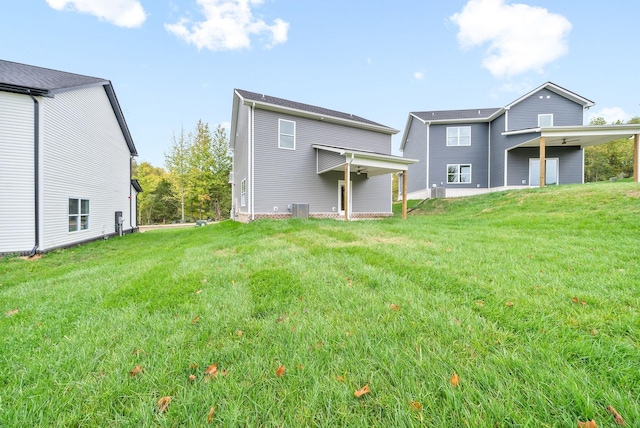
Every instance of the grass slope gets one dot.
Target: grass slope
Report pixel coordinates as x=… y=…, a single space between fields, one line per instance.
x=531 y=297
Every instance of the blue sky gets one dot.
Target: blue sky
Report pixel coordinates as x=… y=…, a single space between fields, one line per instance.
x=174 y=62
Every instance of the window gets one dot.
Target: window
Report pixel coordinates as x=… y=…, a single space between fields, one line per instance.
x=459 y=136
x=545 y=120
x=243 y=193
x=457 y=173
x=78 y=214
x=286 y=134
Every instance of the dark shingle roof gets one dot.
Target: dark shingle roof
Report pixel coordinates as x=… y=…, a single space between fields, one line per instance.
x=469 y=114
x=42 y=81
x=253 y=96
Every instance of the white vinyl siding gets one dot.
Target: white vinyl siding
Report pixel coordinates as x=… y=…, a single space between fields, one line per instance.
x=84 y=154
x=459 y=136
x=17 y=204
x=458 y=173
x=286 y=134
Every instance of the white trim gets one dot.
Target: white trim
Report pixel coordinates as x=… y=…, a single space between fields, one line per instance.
x=489 y=157
x=506 y=162
x=252 y=207
x=428 y=155
x=280 y=134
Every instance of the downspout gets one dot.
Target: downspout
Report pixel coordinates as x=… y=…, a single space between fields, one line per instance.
x=252 y=164
x=130 y=194
x=36 y=172
x=428 y=124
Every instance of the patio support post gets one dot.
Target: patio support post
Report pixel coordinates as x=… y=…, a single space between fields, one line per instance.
x=636 y=176
x=404 y=194
x=345 y=202
x=543 y=162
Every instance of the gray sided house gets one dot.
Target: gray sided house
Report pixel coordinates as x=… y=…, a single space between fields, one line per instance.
x=65 y=160
x=466 y=152
x=293 y=159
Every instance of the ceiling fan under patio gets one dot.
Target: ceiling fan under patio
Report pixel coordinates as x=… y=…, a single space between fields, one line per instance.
x=569 y=140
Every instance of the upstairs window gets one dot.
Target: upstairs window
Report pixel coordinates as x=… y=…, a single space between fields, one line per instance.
x=545 y=120
x=459 y=173
x=459 y=136
x=78 y=214
x=286 y=134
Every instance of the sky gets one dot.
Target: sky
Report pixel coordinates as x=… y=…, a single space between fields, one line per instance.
x=174 y=62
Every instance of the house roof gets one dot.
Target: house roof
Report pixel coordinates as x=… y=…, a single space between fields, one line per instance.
x=452 y=115
x=307 y=110
x=366 y=161
x=39 y=81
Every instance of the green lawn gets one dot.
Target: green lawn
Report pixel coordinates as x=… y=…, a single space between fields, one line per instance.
x=531 y=297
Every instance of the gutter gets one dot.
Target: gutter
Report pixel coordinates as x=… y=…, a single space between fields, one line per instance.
x=36 y=173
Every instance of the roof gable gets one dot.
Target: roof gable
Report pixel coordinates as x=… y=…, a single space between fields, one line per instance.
x=558 y=90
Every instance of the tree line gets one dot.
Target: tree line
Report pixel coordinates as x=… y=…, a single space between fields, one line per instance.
x=610 y=160
x=193 y=185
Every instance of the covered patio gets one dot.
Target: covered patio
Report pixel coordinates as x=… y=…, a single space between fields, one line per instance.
x=331 y=158
x=583 y=136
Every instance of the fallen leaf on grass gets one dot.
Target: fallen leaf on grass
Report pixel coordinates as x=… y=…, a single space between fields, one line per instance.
x=211 y=371
x=199 y=291
x=280 y=371
x=239 y=332
x=137 y=351
x=588 y=424
x=192 y=377
x=509 y=304
x=339 y=378
x=616 y=416
x=364 y=390
x=212 y=410
x=195 y=319
x=480 y=302
x=193 y=365
x=135 y=371
x=12 y=312
x=394 y=307
x=415 y=405
x=455 y=380
x=163 y=404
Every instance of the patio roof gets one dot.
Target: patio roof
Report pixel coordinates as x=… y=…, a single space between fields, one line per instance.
x=583 y=136
x=366 y=162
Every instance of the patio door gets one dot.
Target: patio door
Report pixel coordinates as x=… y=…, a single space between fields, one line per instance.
x=552 y=171
x=341 y=196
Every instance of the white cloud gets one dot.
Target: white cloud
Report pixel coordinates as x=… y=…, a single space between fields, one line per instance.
x=228 y=25
x=610 y=114
x=521 y=38
x=123 y=13
x=418 y=75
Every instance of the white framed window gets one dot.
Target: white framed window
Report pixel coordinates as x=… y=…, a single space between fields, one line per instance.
x=243 y=193
x=545 y=120
x=286 y=134
x=458 y=173
x=78 y=214
x=459 y=136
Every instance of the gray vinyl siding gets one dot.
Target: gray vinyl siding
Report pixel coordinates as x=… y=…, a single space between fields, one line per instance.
x=500 y=143
x=84 y=156
x=569 y=159
x=416 y=148
x=240 y=159
x=17 y=210
x=328 y=160
x=289 y=176
x=524 y=115
x=440 y=155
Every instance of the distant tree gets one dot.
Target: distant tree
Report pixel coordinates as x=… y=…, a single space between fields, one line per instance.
x=178 y=165
x=201 y=168
x=223 y=162
x=149 y=178
x=612 y=159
